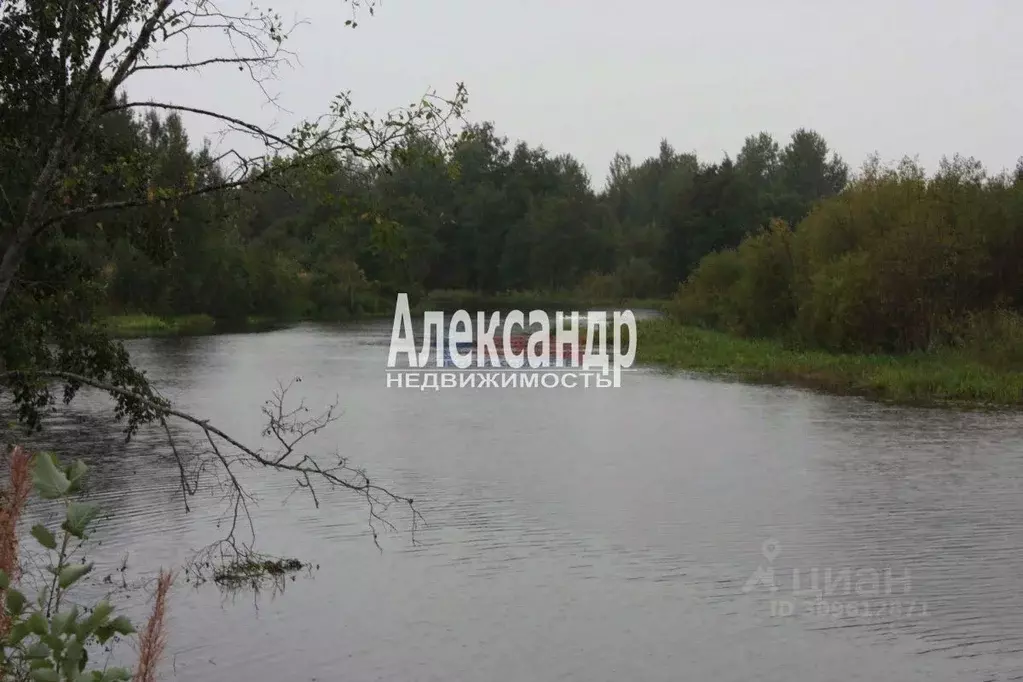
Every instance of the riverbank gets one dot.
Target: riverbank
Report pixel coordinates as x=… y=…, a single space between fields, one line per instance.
x=944 y=378
x=141 y=325
x=137 y=326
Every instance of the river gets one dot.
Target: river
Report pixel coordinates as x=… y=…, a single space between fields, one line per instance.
x=580 y=534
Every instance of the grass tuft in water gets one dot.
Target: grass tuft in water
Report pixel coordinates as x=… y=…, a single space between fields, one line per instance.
x=249 y=569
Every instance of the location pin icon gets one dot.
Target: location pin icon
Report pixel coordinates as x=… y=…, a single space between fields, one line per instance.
x=770 y=549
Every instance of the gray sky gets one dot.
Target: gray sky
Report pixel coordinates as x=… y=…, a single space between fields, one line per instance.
x=899 y=77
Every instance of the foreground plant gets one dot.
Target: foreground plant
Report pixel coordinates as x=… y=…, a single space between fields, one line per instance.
x=49 y=638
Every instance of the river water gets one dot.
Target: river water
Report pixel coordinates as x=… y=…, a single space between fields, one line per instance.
x=573 y=534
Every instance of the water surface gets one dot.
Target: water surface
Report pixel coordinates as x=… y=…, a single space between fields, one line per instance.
x=580 y=534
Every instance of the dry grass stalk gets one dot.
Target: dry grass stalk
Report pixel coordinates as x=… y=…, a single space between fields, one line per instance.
x=12 y=504
x=153 y=639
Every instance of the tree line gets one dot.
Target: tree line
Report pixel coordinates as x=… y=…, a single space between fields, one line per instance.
x=779 y=241
x=340 y=237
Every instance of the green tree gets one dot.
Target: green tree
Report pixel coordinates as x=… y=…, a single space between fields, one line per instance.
x=87 y=187
x=808 y=172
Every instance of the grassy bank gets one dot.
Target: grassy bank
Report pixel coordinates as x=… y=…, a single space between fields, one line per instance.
x=945 y=378
x=133 y=326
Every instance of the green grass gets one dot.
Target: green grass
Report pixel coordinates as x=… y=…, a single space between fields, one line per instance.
x=127 y=326
x=942 y=378
x=134 y=326
x=141 y=325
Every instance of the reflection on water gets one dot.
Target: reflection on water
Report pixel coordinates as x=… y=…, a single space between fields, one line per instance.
x=584 y=535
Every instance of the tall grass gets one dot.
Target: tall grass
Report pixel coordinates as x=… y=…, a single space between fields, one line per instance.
x=14 y=497
x=153 y=639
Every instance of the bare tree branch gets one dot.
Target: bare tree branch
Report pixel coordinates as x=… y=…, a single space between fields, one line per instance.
x=267 y=137
x=199 y=64
x=89 y=209
x=287 y=426
x=133 y=53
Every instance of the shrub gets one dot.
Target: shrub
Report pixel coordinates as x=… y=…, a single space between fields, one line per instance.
x=762 y=295
x=706 y=298
x=994 y=337
x=896 y=263
x=47 y=639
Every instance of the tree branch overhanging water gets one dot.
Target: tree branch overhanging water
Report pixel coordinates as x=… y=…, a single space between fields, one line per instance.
x=226 y=455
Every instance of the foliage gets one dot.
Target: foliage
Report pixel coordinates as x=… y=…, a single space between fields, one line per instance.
x=707 y=297
x=341 y=238
x=897 y=262
x=112 y=210
x=49 y=639
x=993 y=336
x=104 y=203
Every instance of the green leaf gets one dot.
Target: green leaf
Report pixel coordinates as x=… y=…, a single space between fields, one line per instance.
x=5 y=581
x=55 y=643
x=60 y=622
x=71 y=574
x=76 y=475
x=79 y=516
x=44 y=675
x=117 y=675
x=37 y=624
x=44 y=536
x=38 y=650
x=15 y=602
x=122 y=626
x=50 y=482
x=72 y=621
x=100 y=613
x=74 y=654
x=19 y=631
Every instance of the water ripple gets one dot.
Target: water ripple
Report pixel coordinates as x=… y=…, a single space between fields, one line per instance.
x=591 y=535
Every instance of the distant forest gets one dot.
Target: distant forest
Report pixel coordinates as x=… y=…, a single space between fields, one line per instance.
x=341 y=238
x=782 y=240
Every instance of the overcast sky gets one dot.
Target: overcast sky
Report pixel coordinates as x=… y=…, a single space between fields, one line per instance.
x=899 y=77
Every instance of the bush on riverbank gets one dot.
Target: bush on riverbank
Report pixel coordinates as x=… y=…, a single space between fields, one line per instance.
x=897 y=263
